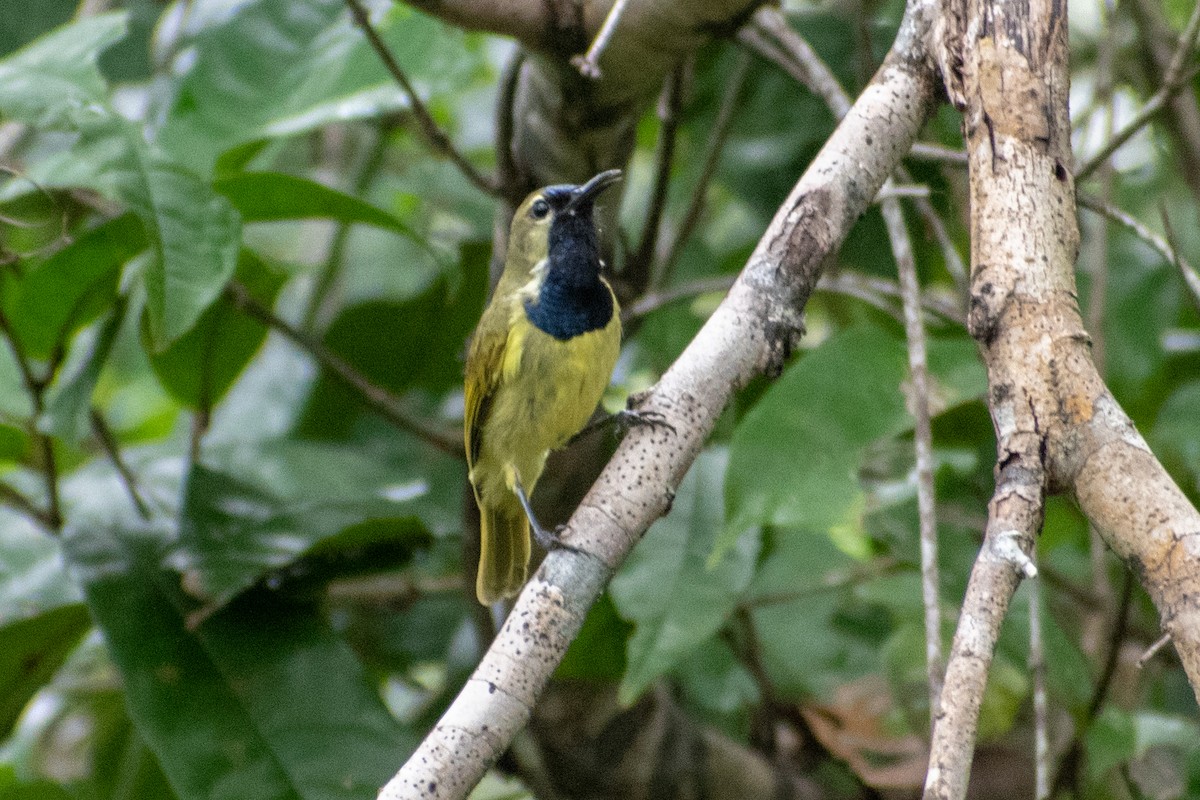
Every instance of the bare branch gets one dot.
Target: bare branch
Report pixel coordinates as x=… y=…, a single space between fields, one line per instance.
x=923 y=151
x=868 y=288
x=1041 y=716
x=1183 y=113
x=1164 y=248
x=376 y=397
x=109 y=442
x=436 y=137
x=589 y=64
x=1189 y=275
x=1153 y=649
x=918 y=401
x=14 y=499
x=770 y=34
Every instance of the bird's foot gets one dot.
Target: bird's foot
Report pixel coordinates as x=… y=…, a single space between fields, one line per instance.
x=634 y=418
x=551 y=540
x=548 y=540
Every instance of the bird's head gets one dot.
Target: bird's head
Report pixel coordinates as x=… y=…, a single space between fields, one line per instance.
x=557 y=216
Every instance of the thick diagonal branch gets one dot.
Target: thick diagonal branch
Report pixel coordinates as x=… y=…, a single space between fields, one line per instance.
x=750 y=334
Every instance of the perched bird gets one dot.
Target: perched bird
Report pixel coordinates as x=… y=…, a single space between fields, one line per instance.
x=538 y=363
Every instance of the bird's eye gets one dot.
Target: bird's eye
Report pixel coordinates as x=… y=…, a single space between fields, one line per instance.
x=539 y=209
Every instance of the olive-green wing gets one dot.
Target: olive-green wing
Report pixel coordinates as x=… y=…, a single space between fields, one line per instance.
x=485 y=363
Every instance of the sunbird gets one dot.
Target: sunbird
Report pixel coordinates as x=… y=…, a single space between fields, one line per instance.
x=538 y=363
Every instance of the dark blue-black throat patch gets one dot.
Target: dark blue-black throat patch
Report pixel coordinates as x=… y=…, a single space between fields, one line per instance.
x=573 y=299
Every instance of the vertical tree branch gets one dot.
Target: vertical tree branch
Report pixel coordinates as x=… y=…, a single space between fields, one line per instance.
x=1006 y=70
x=1041 y=717
x=918 y=399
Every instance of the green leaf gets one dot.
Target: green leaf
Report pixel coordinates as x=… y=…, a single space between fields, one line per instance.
x=200 y=366
x=14 y=443
x=666 y=588
x=715 y=681
x=1176 y=432
x=1006 y=692
x=54 y=81
x=31 y=651
x=274 y=196
x=245 y=70
x=32 y=578
x=21 y=27
x=68 y=411
x=235 y=529
x=1111 y=741
x=597 y=653
x=195 y=235
x=416 y=343
x=346 y=81
x=795 y=456
x=795 y=597
x=57 y=297
x=219 y=704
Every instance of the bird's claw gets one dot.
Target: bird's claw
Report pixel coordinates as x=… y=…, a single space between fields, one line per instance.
x=551 y=540
x=634 y=418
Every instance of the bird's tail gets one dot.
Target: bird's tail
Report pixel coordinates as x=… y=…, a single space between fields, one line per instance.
x=503 y=551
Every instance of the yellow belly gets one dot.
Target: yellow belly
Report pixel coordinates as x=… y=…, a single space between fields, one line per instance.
x=548 y=391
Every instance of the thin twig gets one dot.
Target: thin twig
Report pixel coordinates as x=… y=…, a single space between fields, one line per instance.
x=918 y=366
x=589 y=63
x=375 y=396
x=109 y=442
x=508 y=174
x=1174 y=79
x=925 y=151
x=35 y=387
x=854 y=576
x=14 y=499
x=637 y=272
x=769 y=27
x=1041 y=716
x=867 y=288
x=933 y=221
x=1190 y=277
x=1164 y=248
x=893 y=191
x=1183 y=114
x=1152 y=650
x=716 y=144
x=433 y=133
x=684 y=291
x=858 y=285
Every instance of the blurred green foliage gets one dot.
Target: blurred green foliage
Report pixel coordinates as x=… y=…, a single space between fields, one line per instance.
x=238 y=581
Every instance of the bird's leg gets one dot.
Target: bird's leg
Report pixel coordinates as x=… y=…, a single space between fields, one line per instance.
x=548 y=540
x=624 y=420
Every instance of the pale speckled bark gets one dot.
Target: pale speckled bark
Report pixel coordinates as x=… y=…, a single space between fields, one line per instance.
x=1057 y=426
x=749 y=334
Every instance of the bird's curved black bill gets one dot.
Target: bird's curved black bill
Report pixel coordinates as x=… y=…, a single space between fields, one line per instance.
x=588 y=191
